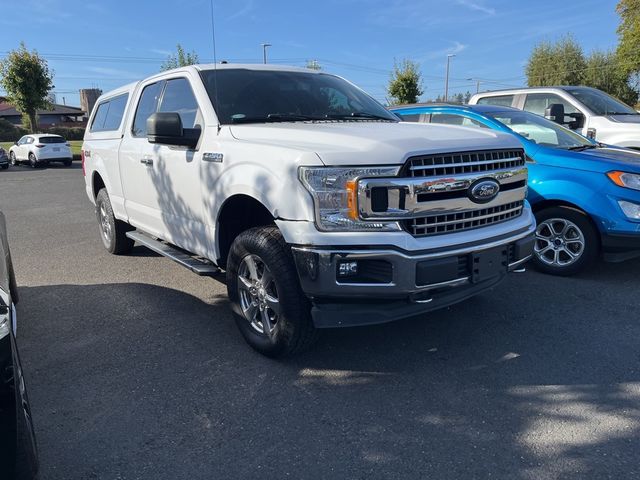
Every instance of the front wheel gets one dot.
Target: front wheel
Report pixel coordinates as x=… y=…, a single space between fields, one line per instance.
x=13 y=159
x=566 y=241
x=113 y=232
x=271 y=311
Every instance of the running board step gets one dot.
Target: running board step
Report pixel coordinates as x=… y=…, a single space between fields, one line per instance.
x=196 y=266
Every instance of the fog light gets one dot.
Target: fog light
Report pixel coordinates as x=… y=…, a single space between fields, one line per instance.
x=631 y=210
x=346 y=269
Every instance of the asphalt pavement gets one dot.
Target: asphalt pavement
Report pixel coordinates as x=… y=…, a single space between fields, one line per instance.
x=136 y=370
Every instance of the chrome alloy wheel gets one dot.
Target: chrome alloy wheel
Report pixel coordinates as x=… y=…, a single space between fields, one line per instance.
x=258 y=295
x=559 y=242
x=105 y=225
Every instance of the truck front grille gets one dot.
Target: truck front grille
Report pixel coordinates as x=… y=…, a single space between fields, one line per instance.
x=439 y=194
x=464 y=162
x=455 y=222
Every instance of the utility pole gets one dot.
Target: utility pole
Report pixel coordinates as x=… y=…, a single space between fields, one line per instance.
x=477 y=83
x=446 y=80
x=264 y=52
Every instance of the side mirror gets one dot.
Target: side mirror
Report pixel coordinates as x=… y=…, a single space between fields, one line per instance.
x=577 y=122
x=555 y=113
x=166 y=128
x=16 y=142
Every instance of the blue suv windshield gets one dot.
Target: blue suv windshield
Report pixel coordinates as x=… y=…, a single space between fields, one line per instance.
x=540 y=130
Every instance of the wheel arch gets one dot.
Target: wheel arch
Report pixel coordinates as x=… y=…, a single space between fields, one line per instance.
x=553 y=203
x=97 y=183
x=238 y=213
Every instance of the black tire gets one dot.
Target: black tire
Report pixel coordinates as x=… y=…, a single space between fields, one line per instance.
x=12 y=158
x=33 y=162
x=67 y=163
x=581 y=229
x=4 y=167
x=114 y=238
x=293 y=332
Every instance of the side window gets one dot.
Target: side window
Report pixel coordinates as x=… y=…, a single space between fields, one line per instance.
x=409 y=117
x=447 y=119
x=109 y=114
x=22 y=141
x=146 y=106
x=98 y=119
x=501 y=100
x=178 y=97
x=538 y=102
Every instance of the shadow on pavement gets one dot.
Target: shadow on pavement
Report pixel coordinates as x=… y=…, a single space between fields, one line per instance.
x=140 y=381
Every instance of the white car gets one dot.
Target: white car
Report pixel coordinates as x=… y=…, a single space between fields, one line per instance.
x=324 y=210
x=41 y=149
x=589 y=111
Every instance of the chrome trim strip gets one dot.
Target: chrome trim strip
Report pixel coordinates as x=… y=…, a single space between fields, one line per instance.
x=471 y=219
x=413 y=187
x=466 y=164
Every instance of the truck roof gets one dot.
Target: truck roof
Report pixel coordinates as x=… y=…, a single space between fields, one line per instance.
x=528 y=89
x=210 y=66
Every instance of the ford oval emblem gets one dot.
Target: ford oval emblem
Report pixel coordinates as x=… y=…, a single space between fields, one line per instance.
x=484 y=190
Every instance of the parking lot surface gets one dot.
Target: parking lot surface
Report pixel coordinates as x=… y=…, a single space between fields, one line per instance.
x=136 y=370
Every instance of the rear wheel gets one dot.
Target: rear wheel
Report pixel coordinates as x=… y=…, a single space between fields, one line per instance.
x=113 y=232
x=272 y=312
x=67 y=163
x=33 y=162
x=566 y=241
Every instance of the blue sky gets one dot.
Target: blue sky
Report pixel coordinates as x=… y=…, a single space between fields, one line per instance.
x=358 y=39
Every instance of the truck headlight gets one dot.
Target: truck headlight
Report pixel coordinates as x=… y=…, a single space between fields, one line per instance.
x=624 y=179
x=334 y=192
x=631 y=210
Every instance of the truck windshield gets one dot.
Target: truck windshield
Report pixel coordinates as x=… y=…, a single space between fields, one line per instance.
x=260 y=96
x=600 y=103
x=540 y=130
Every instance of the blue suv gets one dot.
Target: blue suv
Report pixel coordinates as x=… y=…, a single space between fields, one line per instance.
x=585 y=195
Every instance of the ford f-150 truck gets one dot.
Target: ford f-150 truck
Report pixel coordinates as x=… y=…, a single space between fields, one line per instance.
x=323 y=209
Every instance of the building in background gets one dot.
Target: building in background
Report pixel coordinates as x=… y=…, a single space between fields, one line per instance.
x=58 y=116
x=88 y=98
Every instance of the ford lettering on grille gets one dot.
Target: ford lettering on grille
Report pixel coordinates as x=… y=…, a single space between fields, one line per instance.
x=484 y=190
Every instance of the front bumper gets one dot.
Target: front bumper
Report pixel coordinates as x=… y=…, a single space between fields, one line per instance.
x=396 y=284
x=620 y=247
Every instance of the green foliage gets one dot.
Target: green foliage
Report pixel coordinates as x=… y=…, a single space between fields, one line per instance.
x=69 y=133
x=313 y=65
x=460 y=98
x=564 y=63
x=559 y=63
x=180 y=59
x=26 y=78
x=405 y=85
x=9 y=132
x=604 y=73
x=628 y=52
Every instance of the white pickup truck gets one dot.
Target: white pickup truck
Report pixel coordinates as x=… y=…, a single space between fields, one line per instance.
x=324 y=209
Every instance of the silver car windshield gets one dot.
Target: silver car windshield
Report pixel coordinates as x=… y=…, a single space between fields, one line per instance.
x=600 y=103
x=540 y=130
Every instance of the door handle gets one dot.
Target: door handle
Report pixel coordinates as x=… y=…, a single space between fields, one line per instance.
x=147 y=161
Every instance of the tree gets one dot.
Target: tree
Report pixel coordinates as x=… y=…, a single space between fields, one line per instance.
x=26 y=78
x=405 y=85
x=628 y=52
x=313 y=65
x=559 y=63
x=180 y=59
x=604 y=73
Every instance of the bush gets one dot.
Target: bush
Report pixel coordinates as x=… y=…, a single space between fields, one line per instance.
x=9 y=132
x=69 y=133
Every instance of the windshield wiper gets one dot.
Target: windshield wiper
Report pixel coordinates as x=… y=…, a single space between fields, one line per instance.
x=580 y=148
x=273 y=117
x=355 y=115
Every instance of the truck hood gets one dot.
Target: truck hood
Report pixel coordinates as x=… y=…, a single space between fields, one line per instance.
x=372 y=143
x=630 y=119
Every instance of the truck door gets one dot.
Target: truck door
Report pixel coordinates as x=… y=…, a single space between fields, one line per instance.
x=161 y=183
